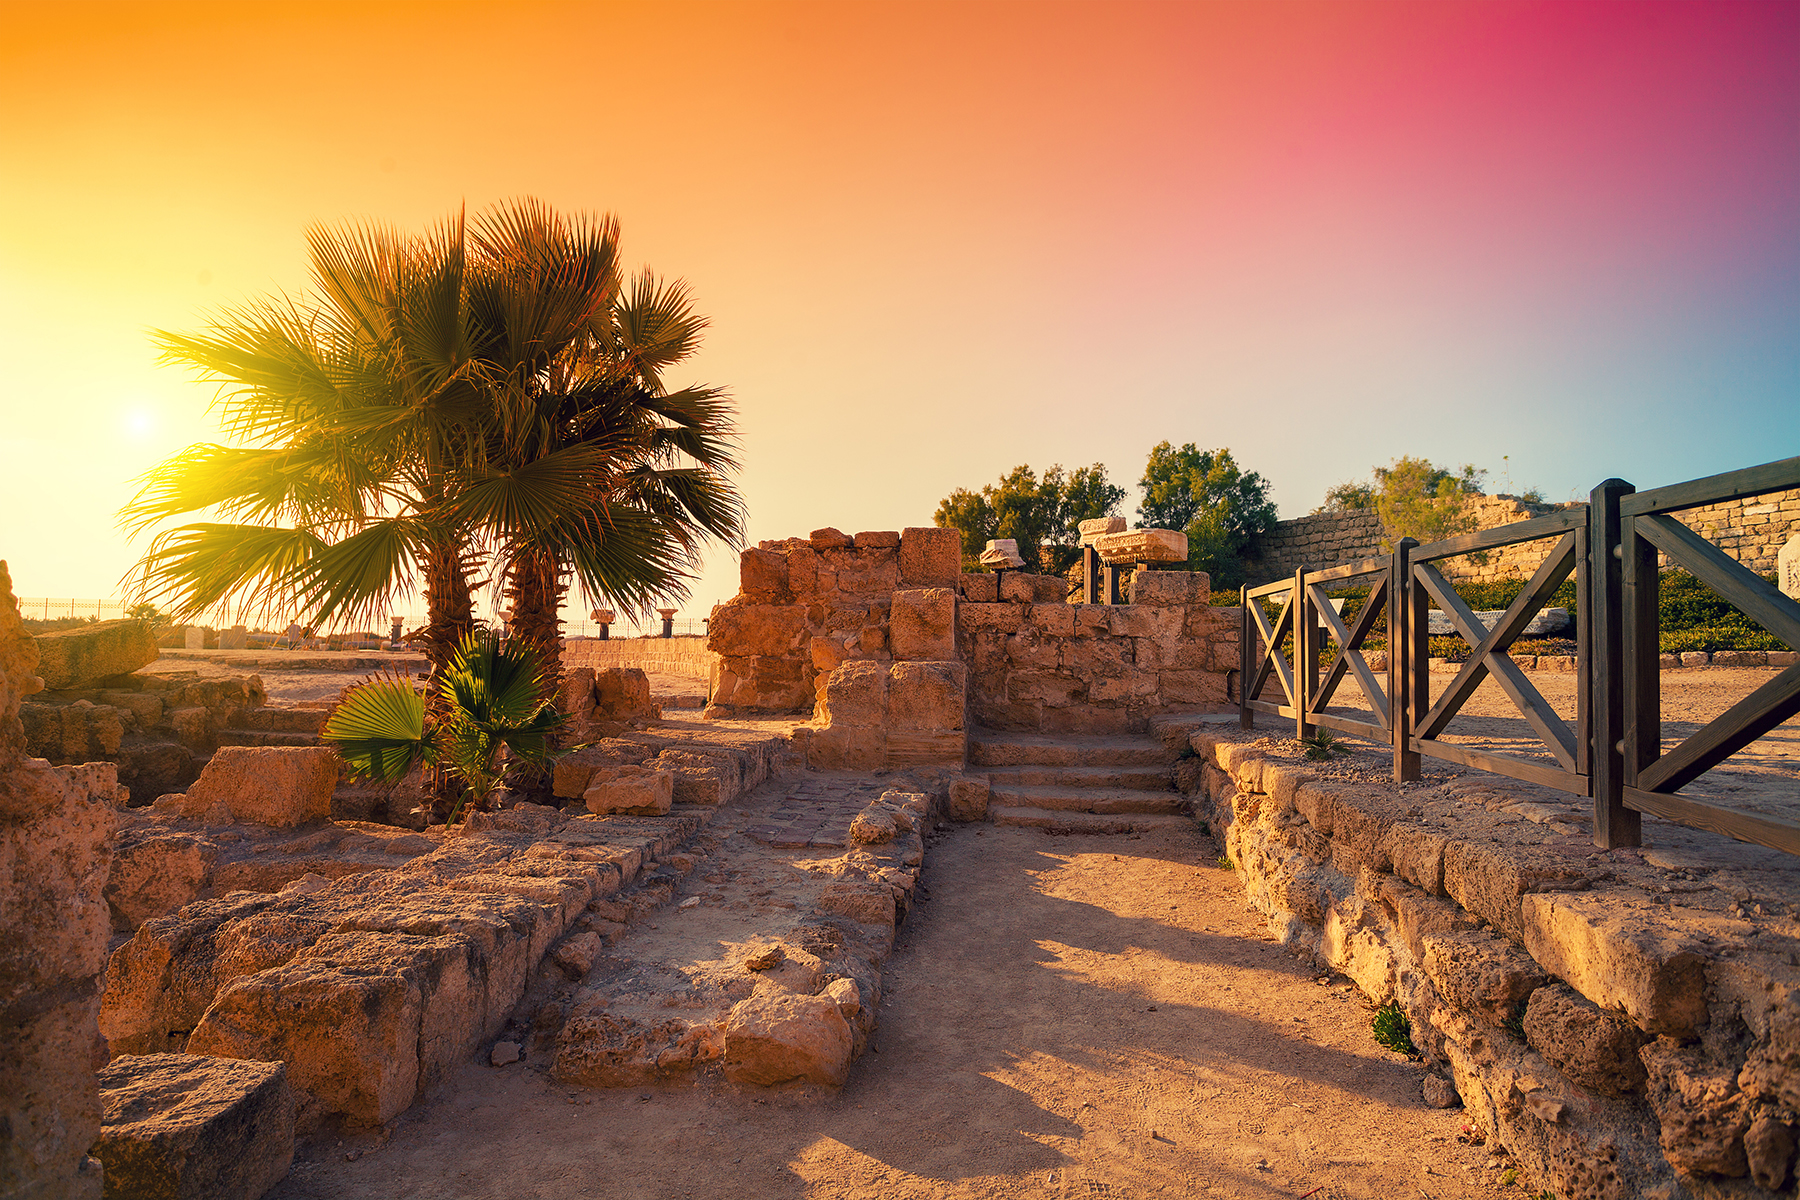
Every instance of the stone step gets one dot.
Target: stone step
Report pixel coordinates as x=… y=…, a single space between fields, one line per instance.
x=266 y=737
x=276 y=718
x=1081 y=822
x=989 y=748
x=1150 y=778
x=1089 y=800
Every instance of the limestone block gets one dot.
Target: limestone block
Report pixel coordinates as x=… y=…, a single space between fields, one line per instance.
x=573 y=770
x=1052 y=619
x=1143 y=545
x=1006 y=618
x=71 y=657
x=235 y=638
x=1489 y=880
x=878 y=539
x=922 y=624
x=930 y=557
x=926 y=696
x=855 y=695
x=1001 y=553
x=1049 y=688
x=847 y=748
x=1164 y=589
x=622 y=694
x=576 y=695
x=345 y=1017
x=1099 y=527
x=803 y=572
x=1787 y=567
x=627 y=789
x=702 y=778
x=1193 y=687
x=1702 y=1115
x=756 y=629
x=763 y=576
x=979 y=589
x=777 y=1036
x=1619 y=958
x=282 y=786
x=969 y=798
x=1595 y=1049
x=183 y=1125
x=828 y=539
x=155 y=875
x=194 y=638
x=1769 y=1148
x=1027 y=649
x=146 y=708
x=1481 y=974
x=1417 y=855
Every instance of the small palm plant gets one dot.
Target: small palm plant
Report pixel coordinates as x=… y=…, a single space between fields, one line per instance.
x=488 y=702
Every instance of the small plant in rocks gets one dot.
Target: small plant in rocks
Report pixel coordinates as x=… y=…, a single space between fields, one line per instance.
x=1322 y=747
x=1393 y=1030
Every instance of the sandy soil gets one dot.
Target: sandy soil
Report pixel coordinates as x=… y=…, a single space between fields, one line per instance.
x=1065 y=1016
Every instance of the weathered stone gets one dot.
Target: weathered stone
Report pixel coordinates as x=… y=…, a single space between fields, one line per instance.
x=702 y=778
x=878 y=539
x=282 y=786
x=1001 y=617
x=1595 y=1049
x=575 y=955
x=829 y=539
x=504 y=1054
x=1618 y=958
x=922 y=624
x=576 y=695
x=70 y=657
x=777 y=1036
x=1787 y=567
x=1143 y=545
x=1168 y=588
x=1439 y=1092
x=930 y=557
x=622 y=694
x=855 y=695
x=1769 y=1149
x=866 y=903
x=926 y=696
x=756 y=629
x=628 y=789
x=1481 y=974
x=969 y=798
x=978 y=589
x=873 y=826
x=188 y=1126
x=763 y=576
x=156 y=874
x=1702 y=1114
x=1002 y=553
x=1099 y=527
x=1492 y=882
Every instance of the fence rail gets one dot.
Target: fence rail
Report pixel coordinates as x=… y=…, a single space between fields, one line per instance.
x=1614 y=752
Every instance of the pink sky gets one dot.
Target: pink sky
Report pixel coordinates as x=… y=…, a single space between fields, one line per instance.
x=940 y=240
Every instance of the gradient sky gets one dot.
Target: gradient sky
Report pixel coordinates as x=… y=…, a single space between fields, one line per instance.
x=940 y=240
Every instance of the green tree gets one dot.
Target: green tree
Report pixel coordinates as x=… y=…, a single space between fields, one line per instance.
x=1041 y=514
x=1204 y=494
x=1414 y=498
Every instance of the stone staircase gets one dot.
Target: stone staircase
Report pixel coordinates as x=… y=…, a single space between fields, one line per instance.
x=275 y=725
x=1076 y=784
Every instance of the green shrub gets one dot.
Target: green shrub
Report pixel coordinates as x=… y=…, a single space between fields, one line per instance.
x=1393 y=1030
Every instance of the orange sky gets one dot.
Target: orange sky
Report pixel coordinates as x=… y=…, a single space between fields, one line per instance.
x=937 y=240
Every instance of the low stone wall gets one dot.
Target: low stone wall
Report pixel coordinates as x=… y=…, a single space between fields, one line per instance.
x=686 y=657
x=1625 y=1024
x=1750 y=531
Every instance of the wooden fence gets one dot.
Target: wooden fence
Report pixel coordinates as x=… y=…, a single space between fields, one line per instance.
x=1614 y=751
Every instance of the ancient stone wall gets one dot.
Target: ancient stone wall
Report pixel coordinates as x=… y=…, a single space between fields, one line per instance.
x=56 y=824
x=1625 y=1026
x=1751 y=531
x=807 y=605
x=686 y=657
x=1045 y=665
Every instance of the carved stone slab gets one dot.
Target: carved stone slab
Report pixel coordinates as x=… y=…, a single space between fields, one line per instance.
x=1787 y=564
x=1143 y=545
x=1002 y=552
x=1099 y=527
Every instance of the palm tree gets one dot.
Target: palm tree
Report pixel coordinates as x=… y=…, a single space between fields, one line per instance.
x=454 y=401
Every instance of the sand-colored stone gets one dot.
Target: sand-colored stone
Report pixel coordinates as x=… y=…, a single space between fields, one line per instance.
x=930 y=557
x=629 y=789
x=189 y=1126
x=1167 y=588
x=1091 y=531
x=777 y=1036
x=282 y=786
x=70 y=657
x=1143 y=545
x=922 y=624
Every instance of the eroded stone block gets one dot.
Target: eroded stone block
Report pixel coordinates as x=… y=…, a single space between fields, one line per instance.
x=185 y=1125
x=282 y=786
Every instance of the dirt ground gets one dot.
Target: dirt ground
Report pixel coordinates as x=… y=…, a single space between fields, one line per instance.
x=1064 y=1016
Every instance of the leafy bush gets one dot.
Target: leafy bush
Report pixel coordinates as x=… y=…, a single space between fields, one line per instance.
x=1393 y=1030
x=56 y=624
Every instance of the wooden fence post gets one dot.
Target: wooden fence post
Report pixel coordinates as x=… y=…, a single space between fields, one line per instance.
x=1614 y=824
x=1642 y=660
x=1306 y=656
x=1400 y=661
x=1246 y=653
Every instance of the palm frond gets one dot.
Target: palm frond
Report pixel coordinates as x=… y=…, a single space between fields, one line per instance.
x=195 y=568
x=378 y=729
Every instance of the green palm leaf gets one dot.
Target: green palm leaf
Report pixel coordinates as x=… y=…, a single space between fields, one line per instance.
x=378 y=729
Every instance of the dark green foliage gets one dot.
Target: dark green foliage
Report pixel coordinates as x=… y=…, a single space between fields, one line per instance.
x=1393 y=1030
x=1322 y=746
x=1204 y=494
x=1040 y=514
x=1514 y=1024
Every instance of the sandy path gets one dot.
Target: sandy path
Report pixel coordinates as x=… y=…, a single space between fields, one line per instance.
x=1075 y=1016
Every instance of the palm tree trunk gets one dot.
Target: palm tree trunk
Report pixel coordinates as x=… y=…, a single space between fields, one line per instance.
x=534 y=590
x=449 y=604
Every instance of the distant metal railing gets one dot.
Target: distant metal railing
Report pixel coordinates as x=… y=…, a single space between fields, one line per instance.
x=39 y=608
